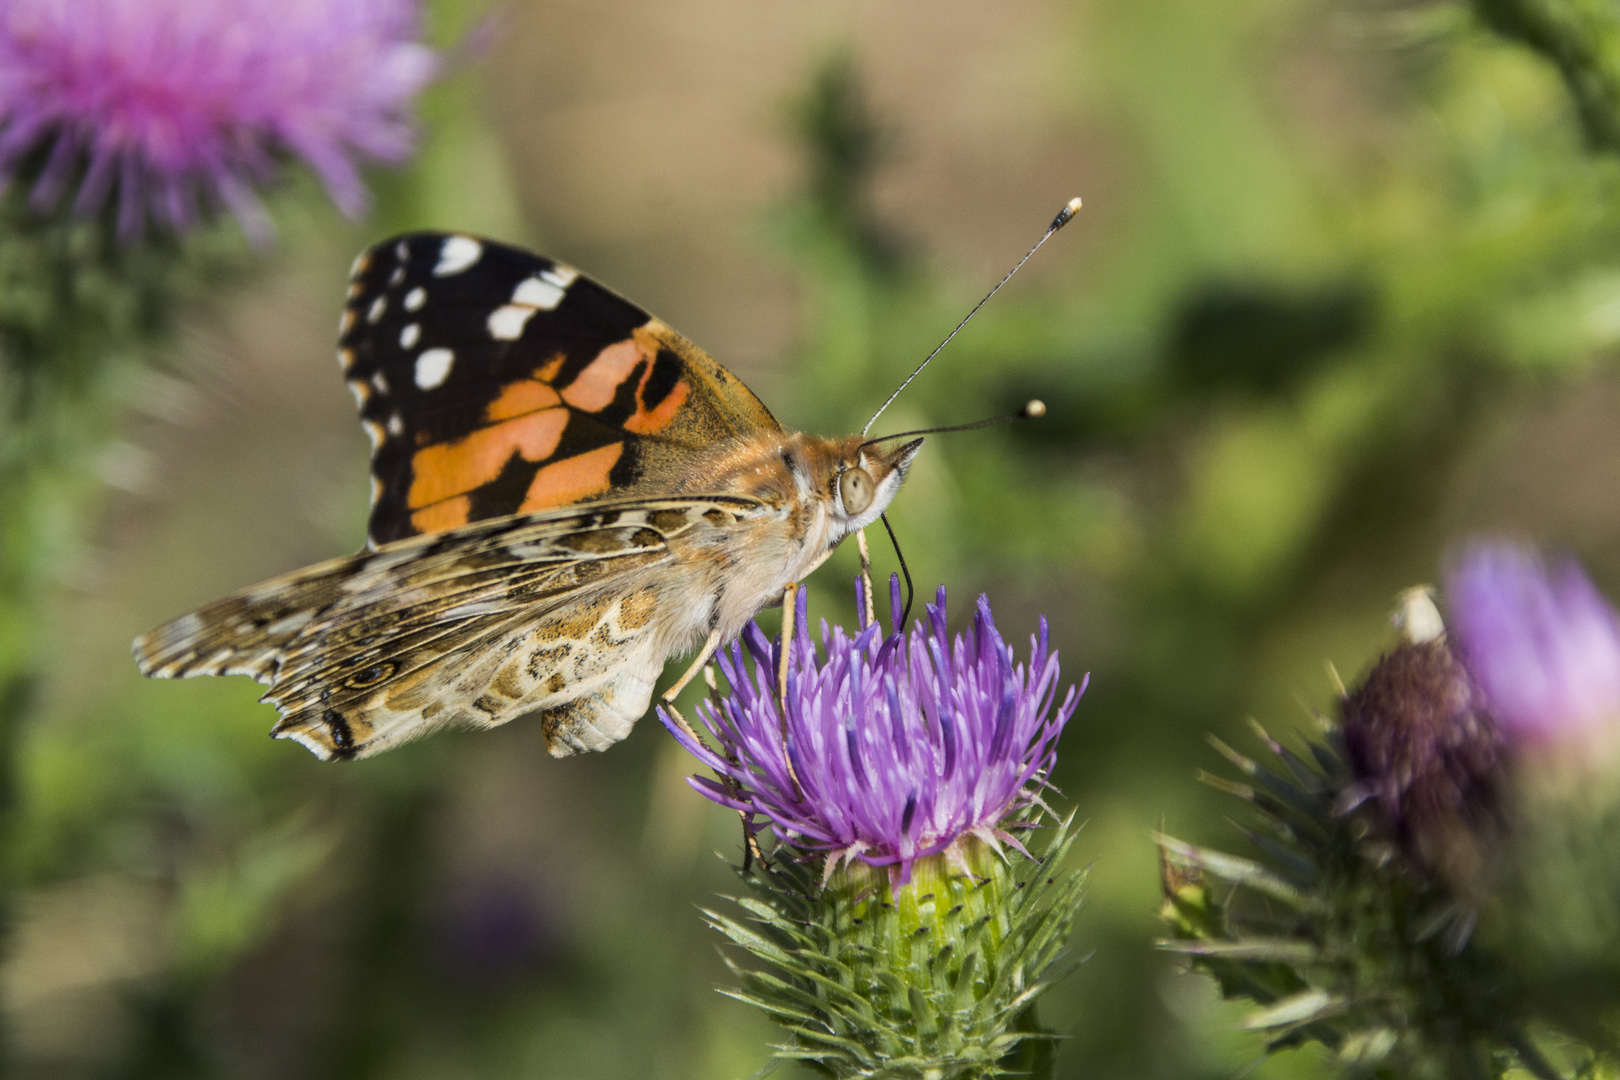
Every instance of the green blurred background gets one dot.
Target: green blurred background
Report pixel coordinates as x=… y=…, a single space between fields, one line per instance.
x=1346 y=287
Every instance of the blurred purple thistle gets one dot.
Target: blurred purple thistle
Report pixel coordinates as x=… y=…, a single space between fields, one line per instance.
x=900 y=745
x=182 y=106
x=1541 y=640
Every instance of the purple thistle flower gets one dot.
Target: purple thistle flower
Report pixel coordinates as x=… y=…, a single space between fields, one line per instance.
x=181 y=106
x=900 y=746
x=1541 y=640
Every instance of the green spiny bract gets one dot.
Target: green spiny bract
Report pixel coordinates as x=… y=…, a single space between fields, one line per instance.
x=1342 y=939
x=936 y=979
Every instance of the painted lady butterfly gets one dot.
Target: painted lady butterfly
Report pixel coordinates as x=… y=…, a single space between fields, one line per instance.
x=565 y=493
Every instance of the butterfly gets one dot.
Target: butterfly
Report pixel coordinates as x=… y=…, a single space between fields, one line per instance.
x=564 y=494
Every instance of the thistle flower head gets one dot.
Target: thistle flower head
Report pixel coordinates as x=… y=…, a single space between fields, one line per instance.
x=908 y=755
x=1545 y=645
x=174 y=107
x=1540 y=639
x=893 y=748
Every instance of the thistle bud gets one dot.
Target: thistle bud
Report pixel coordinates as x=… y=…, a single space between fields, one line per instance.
x=1426 y=751
x=1350 y=925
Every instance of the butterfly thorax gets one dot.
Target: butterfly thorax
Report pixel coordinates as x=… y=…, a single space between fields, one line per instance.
x=797 y=477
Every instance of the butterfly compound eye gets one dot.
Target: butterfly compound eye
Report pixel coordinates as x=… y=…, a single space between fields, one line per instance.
x=855 y=489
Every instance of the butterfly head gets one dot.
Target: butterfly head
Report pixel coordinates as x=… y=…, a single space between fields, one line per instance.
x=859 y=479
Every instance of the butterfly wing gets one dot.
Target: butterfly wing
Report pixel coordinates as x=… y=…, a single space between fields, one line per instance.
x=530 y=431
x=555 y=613
x=493 y=381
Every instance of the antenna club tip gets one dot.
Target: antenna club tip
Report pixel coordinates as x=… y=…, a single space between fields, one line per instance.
x=1035 y=409
x=1065 y=214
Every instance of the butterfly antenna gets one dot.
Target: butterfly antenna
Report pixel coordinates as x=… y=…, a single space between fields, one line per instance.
x=1058 y=222
x=905 y=571
x=1033 y=409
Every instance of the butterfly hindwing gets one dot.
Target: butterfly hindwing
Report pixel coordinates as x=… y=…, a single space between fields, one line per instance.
x=469 y=627
x=493 y=381
x=243 y=634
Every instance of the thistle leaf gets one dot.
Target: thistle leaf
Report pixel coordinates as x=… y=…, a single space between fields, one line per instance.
x=1299 y=1009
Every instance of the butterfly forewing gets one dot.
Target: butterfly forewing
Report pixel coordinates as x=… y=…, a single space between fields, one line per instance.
x=492 y=382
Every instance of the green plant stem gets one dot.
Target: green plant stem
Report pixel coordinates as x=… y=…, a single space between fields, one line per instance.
x=1582 y=40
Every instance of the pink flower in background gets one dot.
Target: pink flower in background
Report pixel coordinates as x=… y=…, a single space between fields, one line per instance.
x=1540 y=639
x=177 y=107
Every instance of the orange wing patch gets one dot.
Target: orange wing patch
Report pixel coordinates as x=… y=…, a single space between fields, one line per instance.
x=522 y=397
x=527 y=419
x=595 y=388
x=651 y=421
x=448 y=514
x=572 y=479
x=448 y=469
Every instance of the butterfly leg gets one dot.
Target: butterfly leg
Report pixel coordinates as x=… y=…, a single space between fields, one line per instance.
x=704 y=655
x=680 y=722
x=751 y=851
x=750 y=844
x=790 y=612
x=868 y=601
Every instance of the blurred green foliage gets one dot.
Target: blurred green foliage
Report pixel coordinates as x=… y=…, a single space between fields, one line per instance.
x=82 y=320
x=1290 y=331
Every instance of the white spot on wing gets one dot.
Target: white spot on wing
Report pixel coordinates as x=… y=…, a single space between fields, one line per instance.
x=415 y=299
x=358 y=267
x=539 y=293
x=402 y=252
x=396 y=426
x=380 y=381
x=433 y=367
x=506 y=323
x=458 y=253
x=543 y=292
x=383 y=560
x=345 y=358
x=378 y=306
x=374 y=432
x=560 y=276
x=408 y=336
x=397 y=276
x=360 y=391
x=289 y=624
x=345 y=321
